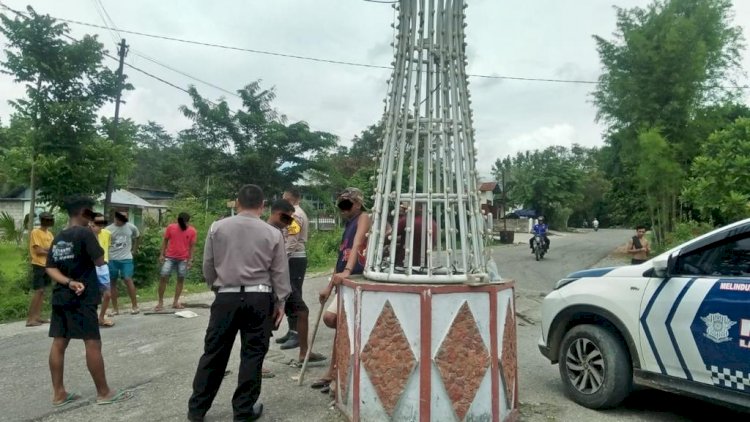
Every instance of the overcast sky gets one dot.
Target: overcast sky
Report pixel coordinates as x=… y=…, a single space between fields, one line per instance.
x=529 y=38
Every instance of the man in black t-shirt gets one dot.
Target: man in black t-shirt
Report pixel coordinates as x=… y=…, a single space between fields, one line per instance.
x=76 y=264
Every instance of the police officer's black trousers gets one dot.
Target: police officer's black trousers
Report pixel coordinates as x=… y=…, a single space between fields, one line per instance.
x=252 y=315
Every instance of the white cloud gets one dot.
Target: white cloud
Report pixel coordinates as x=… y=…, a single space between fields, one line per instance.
x=533 y=38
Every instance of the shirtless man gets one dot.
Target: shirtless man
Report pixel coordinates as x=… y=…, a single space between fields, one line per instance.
x=639 y=246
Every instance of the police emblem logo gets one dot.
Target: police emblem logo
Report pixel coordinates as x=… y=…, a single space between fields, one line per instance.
x=717 y=327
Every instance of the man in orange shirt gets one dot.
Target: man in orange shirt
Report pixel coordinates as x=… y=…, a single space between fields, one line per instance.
x=40 y=241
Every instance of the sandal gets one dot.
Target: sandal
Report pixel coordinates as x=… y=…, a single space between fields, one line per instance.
x=121 y=395
x=178 y=306
x=135 y=311
x=266 y=373
x=69 y=399
x=33 y=324
x=107 y=323
x=321 y=383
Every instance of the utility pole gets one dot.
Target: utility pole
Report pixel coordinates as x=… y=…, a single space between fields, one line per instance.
x=34 y=144
x=122 y=51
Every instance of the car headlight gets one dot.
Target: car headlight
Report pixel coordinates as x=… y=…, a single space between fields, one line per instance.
x=564 y=282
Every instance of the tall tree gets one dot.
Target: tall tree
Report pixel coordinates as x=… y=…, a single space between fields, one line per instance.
x=252 y=145
x=66 y=84
x=666 y=63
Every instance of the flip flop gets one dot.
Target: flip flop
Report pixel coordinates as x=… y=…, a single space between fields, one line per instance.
x=107 y=323
x=33 y=324
x=135 y=311
x=158 y=308
x=266 y=373
x=113 y=313
x=321 y=383
x=122 y=395
x=43 y=321
x=178 y=306
x=71 y=397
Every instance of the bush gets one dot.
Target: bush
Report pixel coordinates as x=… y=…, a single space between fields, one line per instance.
x=322 y=249
x=684 y=231
x=14 y=295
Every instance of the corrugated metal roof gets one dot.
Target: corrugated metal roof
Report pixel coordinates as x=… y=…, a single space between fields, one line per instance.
x=124 y=197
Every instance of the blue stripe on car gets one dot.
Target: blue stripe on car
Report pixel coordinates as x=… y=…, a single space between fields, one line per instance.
x=593 y=272
x=671 y=332
x=644 y=324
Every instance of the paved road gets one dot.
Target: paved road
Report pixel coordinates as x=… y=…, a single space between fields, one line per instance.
x=541 y=391
x=156 y=356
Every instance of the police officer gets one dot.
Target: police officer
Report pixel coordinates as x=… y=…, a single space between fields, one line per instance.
x=245 y=262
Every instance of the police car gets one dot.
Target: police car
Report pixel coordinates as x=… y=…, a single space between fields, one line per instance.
x=679 y=322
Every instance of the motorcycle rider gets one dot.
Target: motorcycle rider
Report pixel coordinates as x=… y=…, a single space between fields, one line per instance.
x=596 y=224
x=540 y=228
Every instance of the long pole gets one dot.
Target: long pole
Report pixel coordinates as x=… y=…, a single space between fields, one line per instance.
x=122 y=51
x=34 y=144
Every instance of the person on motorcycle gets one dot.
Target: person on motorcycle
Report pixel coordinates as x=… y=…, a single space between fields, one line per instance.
x=596 y=224
x=540 y=228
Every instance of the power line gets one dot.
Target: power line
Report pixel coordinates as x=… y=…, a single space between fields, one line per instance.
x=152 y=60
x=309 y=58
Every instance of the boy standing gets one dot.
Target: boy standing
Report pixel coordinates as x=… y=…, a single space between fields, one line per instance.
x=40 y=241
x=76 y=264
x=176 y=256
x=124 y=243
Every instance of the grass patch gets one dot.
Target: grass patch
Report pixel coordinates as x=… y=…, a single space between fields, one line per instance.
x=11 y=260
x=322 y=250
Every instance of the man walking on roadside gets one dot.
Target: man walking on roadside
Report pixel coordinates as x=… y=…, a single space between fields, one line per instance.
x=245 y=262
x=76 y=265
x=176 y=256
x=40 y=241
x=639 y=246
x=124 y=243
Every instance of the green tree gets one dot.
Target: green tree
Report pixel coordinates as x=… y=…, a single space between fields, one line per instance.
x=66 y=84
x=666 y=68
x=720 y=182
x=252 y=145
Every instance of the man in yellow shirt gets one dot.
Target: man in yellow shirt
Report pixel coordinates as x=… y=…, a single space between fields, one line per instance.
x=104 y=237
x=40 y=240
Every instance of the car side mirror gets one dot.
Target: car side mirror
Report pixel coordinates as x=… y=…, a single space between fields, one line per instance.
x=664 y=268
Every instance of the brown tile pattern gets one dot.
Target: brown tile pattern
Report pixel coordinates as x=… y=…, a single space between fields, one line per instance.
x=509 y=355
x=388 y=358
x=463 y=360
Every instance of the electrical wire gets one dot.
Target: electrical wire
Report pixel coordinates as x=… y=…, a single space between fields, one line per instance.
x=314 y=59
x=330 y=61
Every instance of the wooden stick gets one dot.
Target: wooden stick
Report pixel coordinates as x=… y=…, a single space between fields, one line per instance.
x=310 y=346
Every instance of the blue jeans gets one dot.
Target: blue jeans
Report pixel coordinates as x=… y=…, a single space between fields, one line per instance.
x=174 y=265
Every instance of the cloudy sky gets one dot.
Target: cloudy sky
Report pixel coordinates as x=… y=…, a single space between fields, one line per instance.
x=530 y=38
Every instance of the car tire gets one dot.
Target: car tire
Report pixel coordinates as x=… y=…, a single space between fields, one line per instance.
x=595 y=367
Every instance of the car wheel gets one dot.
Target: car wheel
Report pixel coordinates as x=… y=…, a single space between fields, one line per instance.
x=595 y=367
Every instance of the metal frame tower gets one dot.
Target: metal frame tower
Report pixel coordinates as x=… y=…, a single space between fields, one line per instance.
x=428 y=162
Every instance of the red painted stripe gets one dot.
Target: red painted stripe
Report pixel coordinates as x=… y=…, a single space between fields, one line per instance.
x=495 y=364
x=419 y=288
x=357 y=341
x=425 y=360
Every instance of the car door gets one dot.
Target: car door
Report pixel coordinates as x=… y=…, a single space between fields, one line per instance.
x=695 y=322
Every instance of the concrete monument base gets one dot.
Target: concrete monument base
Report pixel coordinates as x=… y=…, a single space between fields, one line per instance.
x=426 y=352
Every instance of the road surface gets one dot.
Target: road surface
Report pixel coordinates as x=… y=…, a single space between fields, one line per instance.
x=541 y=391
x=156 y=356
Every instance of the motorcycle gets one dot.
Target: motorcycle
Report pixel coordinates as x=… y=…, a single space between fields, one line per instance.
x=539 y=249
